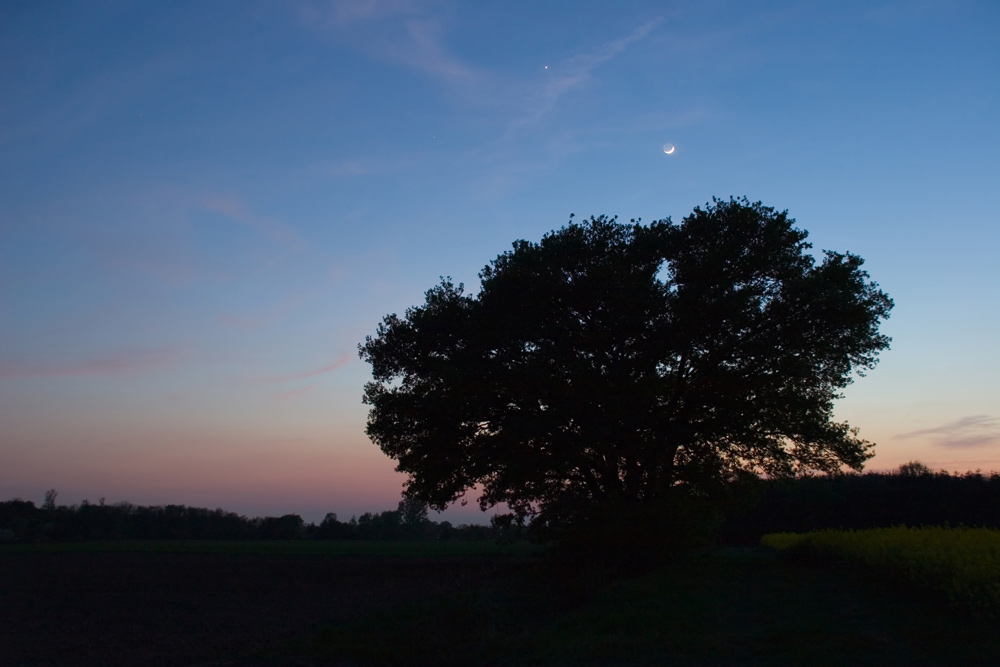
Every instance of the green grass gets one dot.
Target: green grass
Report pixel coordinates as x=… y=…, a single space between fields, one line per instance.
x=289 y=548
x=719 y=607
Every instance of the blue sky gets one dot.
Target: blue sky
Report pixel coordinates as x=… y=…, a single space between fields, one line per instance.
x=204 y=207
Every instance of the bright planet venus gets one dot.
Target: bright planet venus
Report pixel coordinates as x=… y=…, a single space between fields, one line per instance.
x=668 y=148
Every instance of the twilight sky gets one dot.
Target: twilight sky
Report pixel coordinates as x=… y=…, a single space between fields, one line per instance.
x=205 y=207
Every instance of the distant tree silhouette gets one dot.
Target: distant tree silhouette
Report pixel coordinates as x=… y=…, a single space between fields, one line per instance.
x=50 y=499
x=413 y=511
x=914 y=469
x=605 y=368
x=22 y=521
x=287 y=527
x=332 y=529
x=913 y=495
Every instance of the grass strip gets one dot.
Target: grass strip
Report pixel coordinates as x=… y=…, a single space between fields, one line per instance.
x=405 y=549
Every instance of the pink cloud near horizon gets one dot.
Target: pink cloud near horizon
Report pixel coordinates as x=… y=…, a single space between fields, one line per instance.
x=168 y=258
x=117 y=362
x=269 y=316
x=969 y=431
x=339 y=363
x=296 y=392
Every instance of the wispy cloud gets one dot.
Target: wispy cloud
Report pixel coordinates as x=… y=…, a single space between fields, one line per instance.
x=339 y=363
x=426 y=50
x=965 y=464
x=415 y=35
x=153 y=232
x=576 y=72
x=404 y=32
x=296 y=392
x=234 y=209
x=118 y=362
x=167 y=257
x=87 y=102
x=347 y=12
x=268 y=316
x=367 y=166
x=971 y=431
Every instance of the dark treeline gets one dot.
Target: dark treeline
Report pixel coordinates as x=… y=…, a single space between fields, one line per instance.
x=23 y=521
x=913 y=495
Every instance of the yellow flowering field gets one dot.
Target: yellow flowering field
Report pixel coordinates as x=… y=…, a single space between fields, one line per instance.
x=961 y=563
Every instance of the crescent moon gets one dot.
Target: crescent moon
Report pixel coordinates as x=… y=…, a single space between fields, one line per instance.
x=668 y=148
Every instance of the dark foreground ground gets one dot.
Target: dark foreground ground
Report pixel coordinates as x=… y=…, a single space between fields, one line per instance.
x=187 y=609
x=721 y=607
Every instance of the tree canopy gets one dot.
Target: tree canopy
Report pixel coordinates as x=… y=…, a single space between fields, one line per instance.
x=612 y=363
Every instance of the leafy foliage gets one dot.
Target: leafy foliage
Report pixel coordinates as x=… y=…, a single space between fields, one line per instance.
x=610 y=364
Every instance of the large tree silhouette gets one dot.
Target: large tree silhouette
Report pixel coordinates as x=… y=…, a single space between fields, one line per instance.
x=610 y=364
